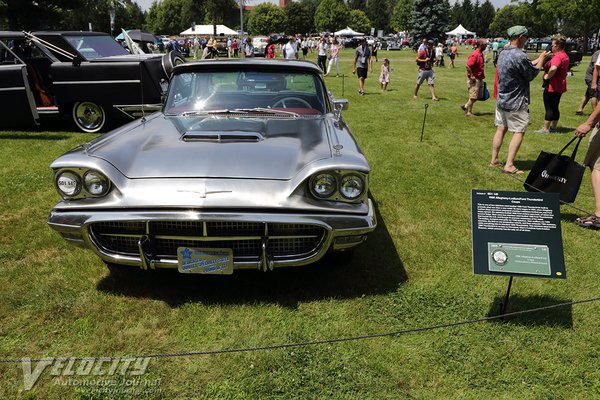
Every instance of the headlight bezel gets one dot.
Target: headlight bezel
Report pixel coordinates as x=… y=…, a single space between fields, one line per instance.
x=83 y=191
x=340 y=176
x=314 y=179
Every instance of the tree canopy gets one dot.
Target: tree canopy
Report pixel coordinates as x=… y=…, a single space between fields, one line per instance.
x=266 y=18
x=429 y=20
x=359 y=21
x=332 y=15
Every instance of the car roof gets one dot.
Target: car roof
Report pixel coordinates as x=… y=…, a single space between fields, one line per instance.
x=69 y=33
x=279 y=65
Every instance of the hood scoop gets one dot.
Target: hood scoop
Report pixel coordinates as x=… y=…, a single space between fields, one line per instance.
x=222 y=137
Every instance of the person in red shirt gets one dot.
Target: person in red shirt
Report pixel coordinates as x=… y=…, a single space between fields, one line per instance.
x=425 y=60
x=475 y=76
x=555 y=84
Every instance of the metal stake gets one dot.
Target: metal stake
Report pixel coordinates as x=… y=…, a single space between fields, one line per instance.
x=505 y=303
x=424 y=116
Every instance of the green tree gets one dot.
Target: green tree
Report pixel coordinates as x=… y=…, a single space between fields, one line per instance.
x=299 y=18
x=379 y=12
x=467 y=14
x=505 y=17
x=41 y=14
x=578 y=18
x=266 y=18
x=485 y=16
x=357 y=4
x=456 y=14
x=402 y=16
x=332 y=15
x=430 y=20
x=359 y=21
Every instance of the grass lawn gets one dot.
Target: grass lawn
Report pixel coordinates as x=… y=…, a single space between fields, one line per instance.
x=57 y=300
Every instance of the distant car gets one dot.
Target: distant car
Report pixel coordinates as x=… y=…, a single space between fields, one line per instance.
x=84 y=76
x=571 y=48
x=249 y=165
x=259 y=43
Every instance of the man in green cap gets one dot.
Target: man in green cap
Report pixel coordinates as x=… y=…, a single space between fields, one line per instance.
x=515 y=71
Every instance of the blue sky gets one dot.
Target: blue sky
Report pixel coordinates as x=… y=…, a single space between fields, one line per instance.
x=145 y=4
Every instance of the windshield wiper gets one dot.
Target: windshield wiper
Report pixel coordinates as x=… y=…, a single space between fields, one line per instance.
x=267 y=111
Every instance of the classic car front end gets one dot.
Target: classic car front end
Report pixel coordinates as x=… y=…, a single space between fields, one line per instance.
x=249 y=165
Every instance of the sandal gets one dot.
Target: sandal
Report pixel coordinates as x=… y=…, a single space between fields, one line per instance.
x=515 y=171
x=579 y=113
x=496 y=165
x=592 y=221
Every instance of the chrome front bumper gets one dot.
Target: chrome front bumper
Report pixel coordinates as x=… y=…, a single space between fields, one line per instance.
x=342 y=231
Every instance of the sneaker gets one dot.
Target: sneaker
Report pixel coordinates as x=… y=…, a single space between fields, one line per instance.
x=542 y=131
x=553 y=130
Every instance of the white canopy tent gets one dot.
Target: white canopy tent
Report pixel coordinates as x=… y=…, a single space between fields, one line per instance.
x=348 y=32
x=206 y=30
x=460 y=31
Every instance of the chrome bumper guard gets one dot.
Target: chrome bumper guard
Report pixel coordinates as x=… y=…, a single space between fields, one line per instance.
x=339 y=232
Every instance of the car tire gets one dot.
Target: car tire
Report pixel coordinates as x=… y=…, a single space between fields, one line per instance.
x=88 y=116
x=170 y=60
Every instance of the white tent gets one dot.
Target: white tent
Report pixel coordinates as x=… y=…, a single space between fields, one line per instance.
x=347 y=32
x=207 y=30
x=460 y=31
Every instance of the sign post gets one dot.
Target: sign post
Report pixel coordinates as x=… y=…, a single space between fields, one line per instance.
x=517 y=234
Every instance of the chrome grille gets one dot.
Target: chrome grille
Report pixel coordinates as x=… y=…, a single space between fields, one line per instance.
x=284 y=241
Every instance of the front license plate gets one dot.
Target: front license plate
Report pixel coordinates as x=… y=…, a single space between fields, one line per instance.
x=204 y=261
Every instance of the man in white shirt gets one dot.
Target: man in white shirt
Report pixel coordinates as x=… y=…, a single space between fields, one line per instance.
x=322 y=54
x=291 y=49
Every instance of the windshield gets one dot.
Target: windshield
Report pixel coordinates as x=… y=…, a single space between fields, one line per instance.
x=91 y=47
x=226 y=91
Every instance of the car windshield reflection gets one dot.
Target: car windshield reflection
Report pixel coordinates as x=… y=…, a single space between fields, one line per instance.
x=92 y=47
x=245 y=93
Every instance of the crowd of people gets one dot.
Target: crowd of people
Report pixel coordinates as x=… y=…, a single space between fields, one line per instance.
x=514 y=72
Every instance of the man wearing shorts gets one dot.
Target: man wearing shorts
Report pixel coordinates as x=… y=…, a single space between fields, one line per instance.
x=590 y=91
x=592 y=160
x=475 y=76
x=425 y=60
x=515 y=71
x=362 y=59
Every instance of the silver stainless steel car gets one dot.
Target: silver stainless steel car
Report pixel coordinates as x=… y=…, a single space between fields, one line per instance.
x=248 y=165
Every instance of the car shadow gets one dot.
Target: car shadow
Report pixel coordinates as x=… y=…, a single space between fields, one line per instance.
x=373 y=268
x=558 y=316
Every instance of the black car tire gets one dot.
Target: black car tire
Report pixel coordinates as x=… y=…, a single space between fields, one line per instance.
x=88 y=116
x=170 y=60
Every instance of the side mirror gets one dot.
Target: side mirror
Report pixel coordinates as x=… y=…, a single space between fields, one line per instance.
x=340 y=104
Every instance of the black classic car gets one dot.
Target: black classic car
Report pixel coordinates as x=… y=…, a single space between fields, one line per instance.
x=84 y=76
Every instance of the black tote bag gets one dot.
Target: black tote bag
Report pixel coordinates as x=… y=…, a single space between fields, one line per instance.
x=556 y=173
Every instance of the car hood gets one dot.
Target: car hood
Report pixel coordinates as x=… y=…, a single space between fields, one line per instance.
x=217 y=147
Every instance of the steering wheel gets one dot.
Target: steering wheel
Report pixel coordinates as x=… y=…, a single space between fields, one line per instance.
x=284 y=102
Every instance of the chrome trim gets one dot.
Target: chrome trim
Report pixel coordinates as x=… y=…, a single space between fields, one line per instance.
x=48 y=110
x=96 y=82
x=134 y=111
x=334 y=224
x=12 y=89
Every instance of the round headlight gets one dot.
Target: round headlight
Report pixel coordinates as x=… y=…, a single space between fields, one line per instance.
x=68 y=183
x=95 y=183
x=352 y=186
x=324 y=185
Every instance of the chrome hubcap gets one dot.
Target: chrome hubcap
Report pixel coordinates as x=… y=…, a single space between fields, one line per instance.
x=89 y=116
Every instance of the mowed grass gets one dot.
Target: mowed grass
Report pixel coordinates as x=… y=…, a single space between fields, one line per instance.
x=57 y=300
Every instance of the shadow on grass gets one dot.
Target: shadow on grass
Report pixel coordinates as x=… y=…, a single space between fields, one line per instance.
x=373 y=268
x=559 y=316
x=481 y=114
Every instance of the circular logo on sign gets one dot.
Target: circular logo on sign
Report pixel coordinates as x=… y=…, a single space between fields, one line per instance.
x=500 y=257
